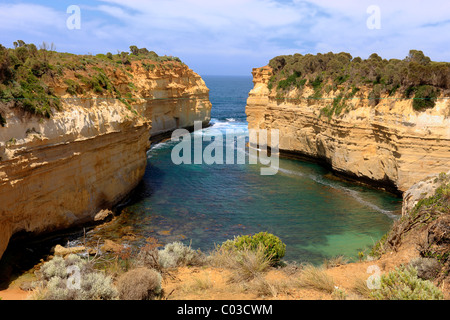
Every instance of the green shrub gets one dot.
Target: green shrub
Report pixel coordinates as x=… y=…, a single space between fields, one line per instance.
x=34 y=96
x=439 y=201
x=393 y=90
x=353 y=92
x=100 y=82
x=341 y=79
x=148 y=66
x=336 y=107
x=404 y=284
x=408 y=74
x=289 y=82
x=271 y=82
x=73 y=87
x=425 y=97
x=301 y=83
x=378 y=249
x=317 y=82
x=274 y=248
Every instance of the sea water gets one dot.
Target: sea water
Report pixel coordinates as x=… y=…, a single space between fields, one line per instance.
x=203 y=205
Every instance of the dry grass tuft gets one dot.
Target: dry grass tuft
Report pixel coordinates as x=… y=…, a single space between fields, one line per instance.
x=270 y=288
x=360 y=287
x=335 y=262
x=248 y=264
x=198 y=284
x=316 y=278
x=245 y=264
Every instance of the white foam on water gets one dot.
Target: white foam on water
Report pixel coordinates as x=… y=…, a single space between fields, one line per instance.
x=224 y=127
x=158 y=146
x=354 y=194
x=242 y=128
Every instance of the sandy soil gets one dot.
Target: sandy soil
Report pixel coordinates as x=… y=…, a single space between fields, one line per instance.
x=210 y=283
x=14 y=293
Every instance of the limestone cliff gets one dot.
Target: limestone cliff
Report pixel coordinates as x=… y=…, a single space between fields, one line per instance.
x=423 y=189
x=389 y=144
x=61 y=171
x=174 y=98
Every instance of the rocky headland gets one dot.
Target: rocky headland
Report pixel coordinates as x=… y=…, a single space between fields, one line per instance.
x=378 y=121
x=74 y=137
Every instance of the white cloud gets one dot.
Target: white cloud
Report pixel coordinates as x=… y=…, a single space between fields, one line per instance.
x=212 y=34
x=403 y=27
x=35 y=19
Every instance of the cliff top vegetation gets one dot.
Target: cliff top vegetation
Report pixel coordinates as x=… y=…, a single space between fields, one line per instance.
x=415 y=77
x=27 y=74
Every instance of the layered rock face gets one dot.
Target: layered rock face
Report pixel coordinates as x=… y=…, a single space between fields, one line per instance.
x=59 y=172
x=174 y=98
x=389 y=144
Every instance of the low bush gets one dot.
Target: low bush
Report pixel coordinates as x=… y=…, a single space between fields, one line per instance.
x=289 y=82
x=73 y=87
x=416 y=75
x=425 y=97
x=274 y=248
x=148 y=255
x=140 y=284
x=56 y=282
x=427 y=268
x=27 y=75
x=403 y=283
x=176 y=254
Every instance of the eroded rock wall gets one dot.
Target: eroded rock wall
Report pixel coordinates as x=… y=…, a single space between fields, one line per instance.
x=59 y=172
x=389 y=144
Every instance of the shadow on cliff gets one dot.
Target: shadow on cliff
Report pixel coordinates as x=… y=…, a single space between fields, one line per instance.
x=24 y=253
x=152 y=180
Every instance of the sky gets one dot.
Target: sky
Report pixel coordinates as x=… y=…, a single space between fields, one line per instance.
x=230 y=37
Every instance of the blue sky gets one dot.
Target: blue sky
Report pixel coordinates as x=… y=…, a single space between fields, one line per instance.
x=231 y=37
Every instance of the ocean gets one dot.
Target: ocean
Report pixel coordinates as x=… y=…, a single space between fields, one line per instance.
x=202 y=205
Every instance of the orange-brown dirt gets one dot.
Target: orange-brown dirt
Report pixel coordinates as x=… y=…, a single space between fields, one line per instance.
x=212 y=283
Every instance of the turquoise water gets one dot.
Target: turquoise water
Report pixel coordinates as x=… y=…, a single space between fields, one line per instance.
x=204 y=205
